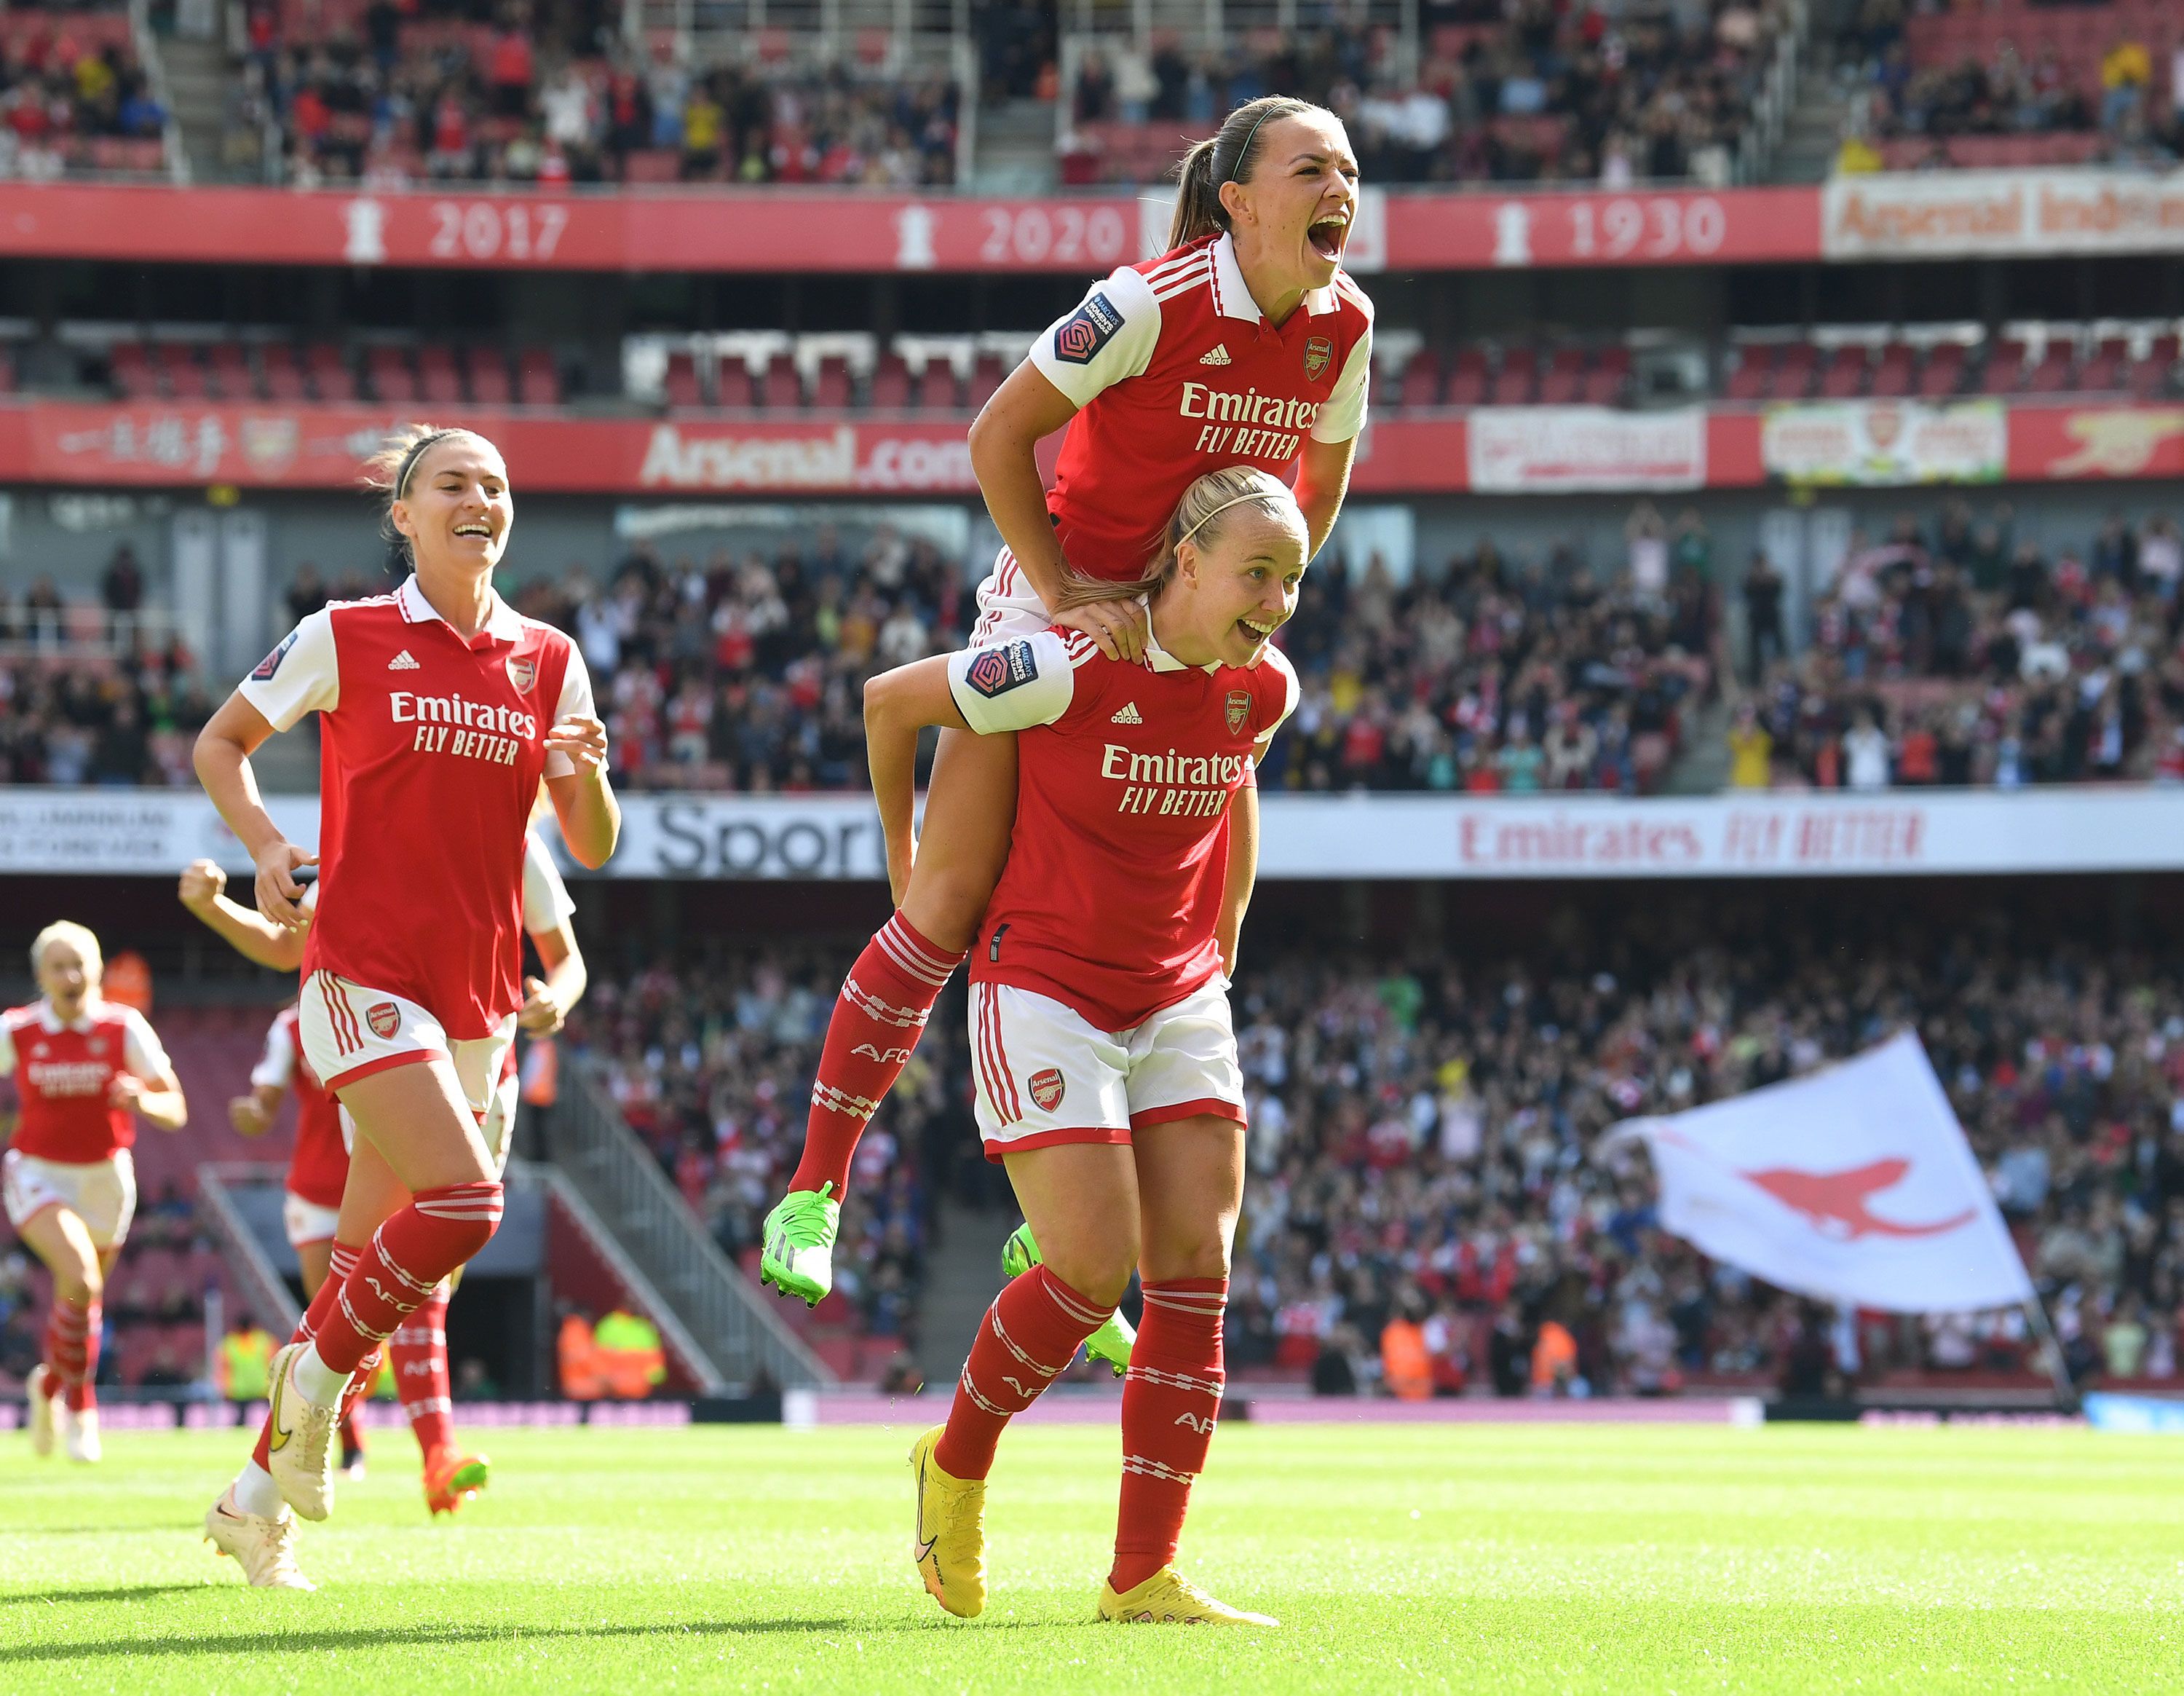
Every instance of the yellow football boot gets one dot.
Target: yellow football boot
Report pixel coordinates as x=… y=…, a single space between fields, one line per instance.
x=1168 y=1599
x=949 y=1543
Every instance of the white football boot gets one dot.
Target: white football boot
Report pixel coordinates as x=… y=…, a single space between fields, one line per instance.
x=265 y=1549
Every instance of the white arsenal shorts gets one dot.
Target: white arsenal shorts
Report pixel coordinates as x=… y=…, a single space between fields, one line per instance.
x=1045 y=1076
x=1008 y=605
x=102 y=1193
x=307 y=1222
x=350 y=1032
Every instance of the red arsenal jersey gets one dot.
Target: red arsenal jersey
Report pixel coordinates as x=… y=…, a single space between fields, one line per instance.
x=319 y=1167
x=62 y=1073
x=1176 y=374
x=431 y=751
x=1125 y=770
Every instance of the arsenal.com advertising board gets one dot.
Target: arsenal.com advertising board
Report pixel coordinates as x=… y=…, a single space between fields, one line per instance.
x=836 y=837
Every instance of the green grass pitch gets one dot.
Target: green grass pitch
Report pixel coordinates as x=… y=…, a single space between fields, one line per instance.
x=1480 y=1559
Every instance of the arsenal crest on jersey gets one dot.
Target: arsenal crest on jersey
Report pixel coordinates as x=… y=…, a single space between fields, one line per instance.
x=384 y=1017
x=1317 y=352
x=523 y=672
x=1239 y=706
x=1047 y=1088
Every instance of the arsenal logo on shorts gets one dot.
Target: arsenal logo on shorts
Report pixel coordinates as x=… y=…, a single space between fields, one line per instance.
x=1046 y=1089
x=384 y=1017
x=1238 y=706
x=523 y=672
x=1317 y=352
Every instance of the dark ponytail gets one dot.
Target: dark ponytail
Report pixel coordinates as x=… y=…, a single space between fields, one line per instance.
x=1228 y=155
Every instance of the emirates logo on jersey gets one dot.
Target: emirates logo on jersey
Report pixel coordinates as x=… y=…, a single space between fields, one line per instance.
x=1238 y=706
x=523 y=672
x=384 y=1017
x=1319 y=354
x=1047 y=1089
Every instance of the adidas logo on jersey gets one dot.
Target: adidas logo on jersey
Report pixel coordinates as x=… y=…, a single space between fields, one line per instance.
x=1129 y=715
x=1219 y=356
x=404 y=661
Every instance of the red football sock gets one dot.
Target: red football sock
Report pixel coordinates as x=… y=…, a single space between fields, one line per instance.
x=72 y=1348
x=1030 y=1333
x=878 y=1017
x=340 y=1261
x=410 y=1253
x=352 y=1434
x=420 y=1349
x=1170 y=1399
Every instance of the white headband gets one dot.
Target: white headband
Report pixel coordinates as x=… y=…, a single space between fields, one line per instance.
x=1255 y=494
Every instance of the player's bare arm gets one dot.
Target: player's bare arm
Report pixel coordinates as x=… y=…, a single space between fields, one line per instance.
x=547 y=1000
x=1323 y=481
x=583 y=800
x=898 y=704
x=252 y=1115
x=231 y=735
x=157 y=1099
x=203 y=891
x=1243 y=872
x=1004 y=440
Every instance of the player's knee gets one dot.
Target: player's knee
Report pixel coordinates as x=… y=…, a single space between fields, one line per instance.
x=80 y=1283
x=466 y=1214
x=946 y=906
x=1099 y=1272
x=1189 y=1254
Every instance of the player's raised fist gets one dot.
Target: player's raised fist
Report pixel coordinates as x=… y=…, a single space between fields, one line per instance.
x=203 y=883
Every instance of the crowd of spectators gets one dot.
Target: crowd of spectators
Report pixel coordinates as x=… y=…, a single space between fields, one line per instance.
x=1526 y=91
x=711 y=1063
x=67 y=99
x=1422 y=1133
x=521 y=99
x=1955 y=652
x=123 y=716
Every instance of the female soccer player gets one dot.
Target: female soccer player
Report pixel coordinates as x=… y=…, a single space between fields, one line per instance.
x=1243 y=344
x=83 y=1065
x=441 y=709
x=1105 y=1059
x=318 y=1167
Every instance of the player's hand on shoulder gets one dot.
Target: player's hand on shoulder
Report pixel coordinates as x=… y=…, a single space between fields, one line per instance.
x=584 y=740
x=248 y=1118
x=203 y=883
x=1119 y=627
x=279 y=895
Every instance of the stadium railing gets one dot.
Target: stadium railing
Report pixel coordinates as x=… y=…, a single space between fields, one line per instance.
x=267 y=1289
x=725 y=1314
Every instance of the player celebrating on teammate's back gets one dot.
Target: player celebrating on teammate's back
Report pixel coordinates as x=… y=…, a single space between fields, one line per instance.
x=318 y=1169
x=441 y=708
x=1245 y=342
x=1104 y=1058
x=82 y=1065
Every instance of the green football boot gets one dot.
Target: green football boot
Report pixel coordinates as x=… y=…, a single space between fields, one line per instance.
x=1112 y=1343
x=797 y=1258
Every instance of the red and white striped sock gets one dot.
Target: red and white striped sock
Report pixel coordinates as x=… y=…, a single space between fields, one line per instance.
x=408 y=1254
x=1031 y=1331
x=877 y=1018
x=72 y=1348
x=1171 y=1397
x=340 y=1261
x=420 y=1349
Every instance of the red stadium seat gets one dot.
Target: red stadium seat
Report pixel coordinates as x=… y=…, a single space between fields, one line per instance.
x=986 y=377
x=937 y=387
x=1514 y=383
x=134 y=374
x=781 y=391
x=393 y=380
x=1944 y=373
x=889 y=390
x=2103 y=372
x=681 y=384
x=830 y=387
x=2005 y=367
x=652 y=165
x=185 y=375
x=537 y=379
x=1610 y=376
x=1421 y=381
x=733 y=386
x=486 y=371
x=1752 y=376
x=1795 y=372
x=1562 y=382
x=2151 y=376
x=438 y=383
x=1892 y=373
x=1468 y=379
x=1843 y=376
x=283 y=376
x=332 y=379
x=2051 y=374
x=230 y=371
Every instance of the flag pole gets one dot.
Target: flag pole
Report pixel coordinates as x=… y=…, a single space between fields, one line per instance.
x=2066 y=1394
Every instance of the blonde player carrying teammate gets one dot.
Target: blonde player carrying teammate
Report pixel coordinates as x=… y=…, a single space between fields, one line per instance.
x=83 y=1067
x=1244 y=343
x=441 y=708
x=319 y=1168
x=1103 y=1049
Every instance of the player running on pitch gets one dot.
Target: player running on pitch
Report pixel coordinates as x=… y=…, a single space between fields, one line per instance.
x=1105 y=1059
x=1245 y=342
x=318 y=1167
x=83 y=1067
x=441 y=709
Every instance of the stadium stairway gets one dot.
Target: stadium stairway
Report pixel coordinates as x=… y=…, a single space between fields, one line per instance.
x=1807 y=151
x=1015 y=149
x=197 y=79
x=962 y=1272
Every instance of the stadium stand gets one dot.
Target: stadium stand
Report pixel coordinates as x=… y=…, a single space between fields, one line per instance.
x=74 y=98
